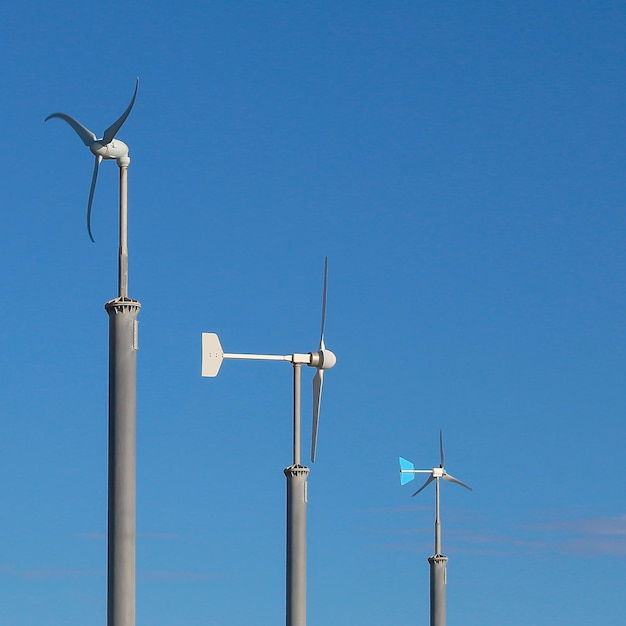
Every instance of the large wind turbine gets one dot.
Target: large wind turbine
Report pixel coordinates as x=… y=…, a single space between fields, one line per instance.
x=296 y=473
x=123 y=345
x=437 y=561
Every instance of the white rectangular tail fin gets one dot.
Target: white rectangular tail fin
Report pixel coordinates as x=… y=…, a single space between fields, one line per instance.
x=212 y=355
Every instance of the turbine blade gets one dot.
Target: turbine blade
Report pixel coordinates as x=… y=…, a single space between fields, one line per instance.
x=318 y=379
x=85 y=134
x=111 y=131
x=441 y=455
x=318 y=383
x=322 y=346
x=92 y=189
x=428 y=481
x=452 y=479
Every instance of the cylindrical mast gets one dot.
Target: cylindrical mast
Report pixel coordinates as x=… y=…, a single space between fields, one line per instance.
x=123 y=344
x=437 y=521
x=296 y=413
x=122 y=460
x=438 y=589
x=123 y=163
x=437 y=572
x=296 y=520
x=296 y=545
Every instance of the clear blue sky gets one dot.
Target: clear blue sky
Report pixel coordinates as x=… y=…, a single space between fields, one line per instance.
x=462 y=166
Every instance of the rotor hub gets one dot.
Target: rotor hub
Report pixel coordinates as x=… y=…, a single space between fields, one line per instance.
x=113 y=150
x=323 y=359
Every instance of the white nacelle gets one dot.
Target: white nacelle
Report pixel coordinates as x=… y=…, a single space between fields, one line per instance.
x=115 y=149
x=438 y=472
x=323 y=360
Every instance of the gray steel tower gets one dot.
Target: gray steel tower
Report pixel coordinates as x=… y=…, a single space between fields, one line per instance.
x=296 y=474
x=296 y=545
x=123 y=344
x=437 y=573
x=122 y=313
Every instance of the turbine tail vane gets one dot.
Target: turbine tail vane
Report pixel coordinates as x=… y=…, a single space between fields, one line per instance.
x=212 y=355
x=407 y=473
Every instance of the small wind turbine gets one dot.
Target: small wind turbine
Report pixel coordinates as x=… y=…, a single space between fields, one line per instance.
x=107 y=147
x=322 y=359
x=438 y=560
x=123 y=328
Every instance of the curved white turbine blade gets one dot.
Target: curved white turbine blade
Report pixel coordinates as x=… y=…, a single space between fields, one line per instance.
x=441 y=455
x=85 y=134
x=318 y=383
x=430 y=480
x=318 y=379
x=92 y=189
x=452 y=479
x=111 y=131
x=324 y=291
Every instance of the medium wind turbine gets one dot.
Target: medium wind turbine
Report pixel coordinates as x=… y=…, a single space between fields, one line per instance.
x=123 y=327
x=296 y=474
x=437 y=561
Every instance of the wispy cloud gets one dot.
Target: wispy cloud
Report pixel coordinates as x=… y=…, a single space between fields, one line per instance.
x=603 y=526
x=589 y=536
x=98 y=536
x=568 y=535
x=396 y=509
x=574 y=535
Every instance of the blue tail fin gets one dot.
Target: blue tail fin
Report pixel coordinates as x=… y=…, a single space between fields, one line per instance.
x=405 y=468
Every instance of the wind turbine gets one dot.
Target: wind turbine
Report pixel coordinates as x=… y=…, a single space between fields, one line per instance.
x=437 y=561
x=296 y=474
x=107 y=147
x=123 y=344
